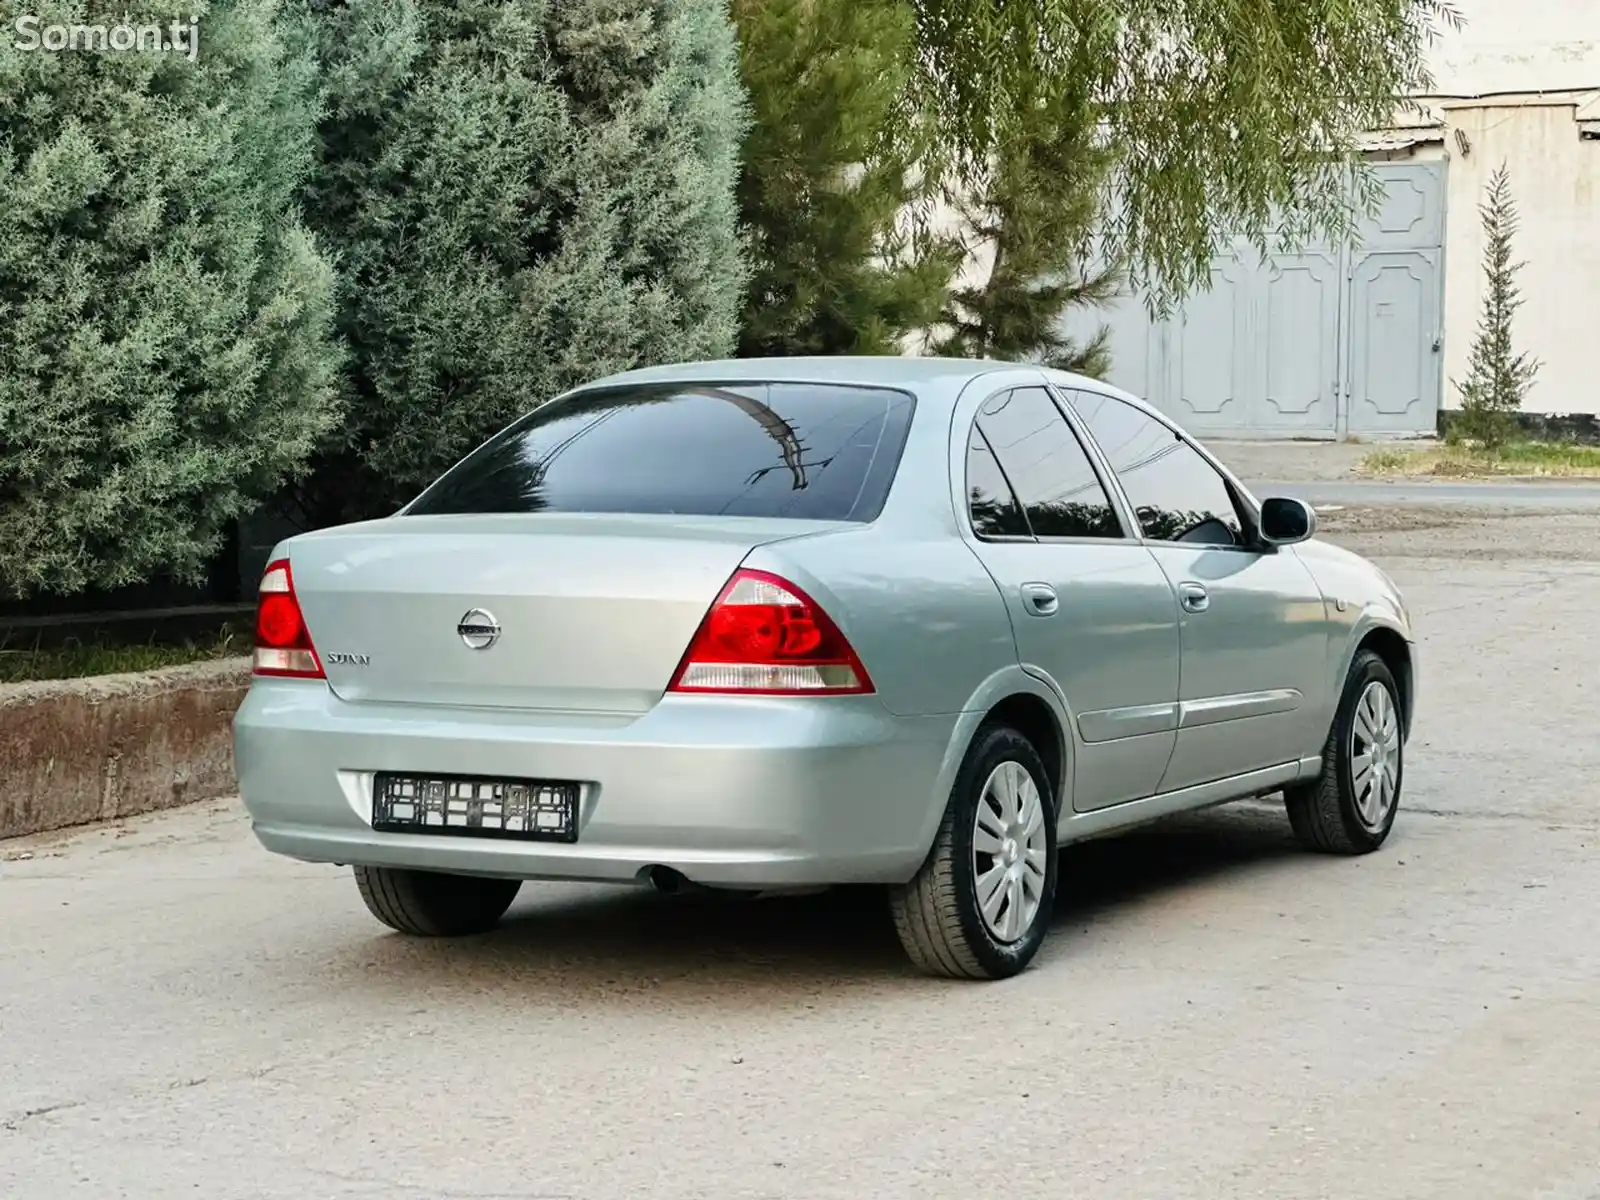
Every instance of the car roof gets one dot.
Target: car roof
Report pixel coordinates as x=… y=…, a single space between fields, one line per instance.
x=884 y=369
x=928 y=377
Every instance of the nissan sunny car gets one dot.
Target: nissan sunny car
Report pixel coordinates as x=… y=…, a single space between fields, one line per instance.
x=767 y=625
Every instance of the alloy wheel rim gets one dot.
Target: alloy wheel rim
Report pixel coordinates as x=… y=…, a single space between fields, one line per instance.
x=1009 y=845
x=1375 y=755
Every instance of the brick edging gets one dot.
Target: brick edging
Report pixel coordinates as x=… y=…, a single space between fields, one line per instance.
x=79 y=750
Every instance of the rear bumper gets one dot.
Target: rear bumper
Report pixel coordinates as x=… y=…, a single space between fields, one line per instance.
x=730 y=792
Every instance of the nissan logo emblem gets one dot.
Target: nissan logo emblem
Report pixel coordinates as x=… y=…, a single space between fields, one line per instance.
x=478 y=629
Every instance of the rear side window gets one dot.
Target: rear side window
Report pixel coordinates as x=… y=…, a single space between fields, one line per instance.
x=994 y=507
x=807 y=451
x=1047 y=466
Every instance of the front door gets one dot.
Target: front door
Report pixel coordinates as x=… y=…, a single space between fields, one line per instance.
x=1092 y=612
x=1251 y=621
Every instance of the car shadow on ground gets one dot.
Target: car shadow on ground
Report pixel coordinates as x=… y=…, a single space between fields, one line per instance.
x=1099 y=877
x=571 y=940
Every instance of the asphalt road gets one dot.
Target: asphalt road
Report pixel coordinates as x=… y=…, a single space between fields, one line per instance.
x=1216 y=1014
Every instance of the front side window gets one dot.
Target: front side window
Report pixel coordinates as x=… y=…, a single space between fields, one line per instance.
x=808 y=451
x=1177 y=494
x=1047 y=466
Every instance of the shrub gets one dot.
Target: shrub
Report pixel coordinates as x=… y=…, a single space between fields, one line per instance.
x=525 y=195
x=839 y=265
x=166 y=348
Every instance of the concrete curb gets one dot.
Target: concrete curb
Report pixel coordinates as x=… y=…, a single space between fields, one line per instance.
x=79 y=750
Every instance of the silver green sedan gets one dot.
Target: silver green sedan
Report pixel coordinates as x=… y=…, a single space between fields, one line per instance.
x=768 y=625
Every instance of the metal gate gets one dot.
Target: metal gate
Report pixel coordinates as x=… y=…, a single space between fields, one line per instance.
x=1325 y=342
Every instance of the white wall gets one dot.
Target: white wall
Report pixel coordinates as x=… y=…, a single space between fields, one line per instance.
x=1555 y=180
x=1519 y=83
x=1519 y=46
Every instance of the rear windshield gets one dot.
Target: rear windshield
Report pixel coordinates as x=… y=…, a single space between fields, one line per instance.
x=809 y=451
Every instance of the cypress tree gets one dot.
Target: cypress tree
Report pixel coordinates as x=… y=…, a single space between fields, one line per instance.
x=166 y=348
x=831 y=183
x=525 y=195
x=1037 y=210
x=1498 y=378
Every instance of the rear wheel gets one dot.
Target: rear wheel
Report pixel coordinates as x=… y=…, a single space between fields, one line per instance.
x=429 y=904
x=1351 y=806
x=980 y=906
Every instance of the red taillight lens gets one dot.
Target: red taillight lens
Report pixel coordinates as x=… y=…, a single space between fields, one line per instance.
x=765 y=636
x=283 y=643
x=278 y=621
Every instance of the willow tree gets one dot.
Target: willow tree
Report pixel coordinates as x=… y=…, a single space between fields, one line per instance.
x=1227 y=120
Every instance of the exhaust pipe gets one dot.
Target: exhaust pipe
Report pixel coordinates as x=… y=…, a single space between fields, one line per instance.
x=668 y=882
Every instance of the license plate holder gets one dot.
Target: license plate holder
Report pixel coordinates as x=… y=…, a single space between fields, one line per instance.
x=531 y=810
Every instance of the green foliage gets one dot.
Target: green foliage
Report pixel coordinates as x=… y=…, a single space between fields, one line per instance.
x=166 y=357
x=1498 y=379
x=1036 y=210
x=1228 y=119
x=526 y=194
x=828 y=177
x=105 y=655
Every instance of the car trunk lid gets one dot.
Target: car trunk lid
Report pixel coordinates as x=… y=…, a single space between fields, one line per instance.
x=571 y=612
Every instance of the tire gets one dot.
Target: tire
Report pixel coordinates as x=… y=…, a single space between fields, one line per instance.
x=1334 y=814
x=938 y=913
x=429 y=904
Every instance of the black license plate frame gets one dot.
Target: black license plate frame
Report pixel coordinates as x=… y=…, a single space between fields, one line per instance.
x=521 y=810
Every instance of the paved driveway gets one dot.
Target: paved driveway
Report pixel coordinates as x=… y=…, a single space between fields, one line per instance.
x=1217 y=1015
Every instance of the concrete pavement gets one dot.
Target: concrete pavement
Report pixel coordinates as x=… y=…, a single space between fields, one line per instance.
x=1216 y=1015
x=1324 y=473
x=1305 y=461
x=1549 y=497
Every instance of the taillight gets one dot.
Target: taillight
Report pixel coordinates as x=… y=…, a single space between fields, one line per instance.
x=283 y=643
x=765 y=636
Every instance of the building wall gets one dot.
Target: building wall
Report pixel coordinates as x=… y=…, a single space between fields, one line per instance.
x=1519 y=84
x=1555 y=180
x=1518 y=46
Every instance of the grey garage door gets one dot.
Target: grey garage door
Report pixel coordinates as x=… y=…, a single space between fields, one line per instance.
x=1320 y=343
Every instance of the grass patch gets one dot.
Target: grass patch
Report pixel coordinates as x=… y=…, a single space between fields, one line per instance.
x=1554 y=460
x=77 y=660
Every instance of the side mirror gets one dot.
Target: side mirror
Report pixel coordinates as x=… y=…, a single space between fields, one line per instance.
x=1285 y=521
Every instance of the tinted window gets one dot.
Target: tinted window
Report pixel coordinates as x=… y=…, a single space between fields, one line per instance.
x=1178 y=495
x=766 y=450
x=1047 y=466
x=994 y=507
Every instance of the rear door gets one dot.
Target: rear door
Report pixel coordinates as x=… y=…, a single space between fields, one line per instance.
x=1251 y=618
x=1091 y=610
x=566 y=563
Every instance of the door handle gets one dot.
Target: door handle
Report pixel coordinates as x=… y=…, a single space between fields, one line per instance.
x=1039 y=599
x=1193 y=597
